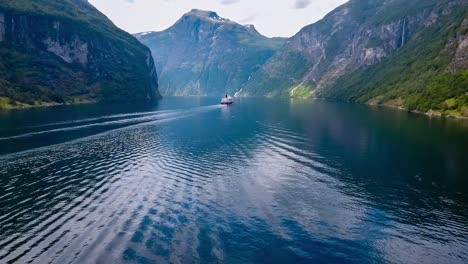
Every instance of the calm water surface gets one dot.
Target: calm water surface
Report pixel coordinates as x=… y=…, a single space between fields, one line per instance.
x=263 y=181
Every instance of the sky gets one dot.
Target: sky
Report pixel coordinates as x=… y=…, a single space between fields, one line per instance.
x=273 y=18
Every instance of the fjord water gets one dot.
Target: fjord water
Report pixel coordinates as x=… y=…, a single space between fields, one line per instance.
x=263 y=181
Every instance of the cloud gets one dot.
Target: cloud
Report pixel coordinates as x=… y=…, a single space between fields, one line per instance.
x=300 y=4
x=248 y=19
x=272 y=18
x=228 y=2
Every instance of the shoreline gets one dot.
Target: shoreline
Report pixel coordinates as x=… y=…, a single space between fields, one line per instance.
x=431 y=113
x=22 y=106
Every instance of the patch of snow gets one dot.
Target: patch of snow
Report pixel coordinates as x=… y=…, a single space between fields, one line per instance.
x=218 y=19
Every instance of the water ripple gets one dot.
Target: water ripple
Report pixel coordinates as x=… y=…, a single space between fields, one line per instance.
x=179 y=186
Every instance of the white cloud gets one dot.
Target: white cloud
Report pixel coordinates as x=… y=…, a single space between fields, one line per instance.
x=272 y=18
x=299 y=4
x=228 y=2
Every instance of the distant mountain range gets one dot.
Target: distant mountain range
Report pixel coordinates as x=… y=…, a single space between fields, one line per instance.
x=55 y=52
x=407 y=54
x=410 y=54
x=204 y=54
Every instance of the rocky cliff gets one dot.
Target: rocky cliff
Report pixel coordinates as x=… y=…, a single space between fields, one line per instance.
x=55 y=52
x=204 y=54
x=324 y=58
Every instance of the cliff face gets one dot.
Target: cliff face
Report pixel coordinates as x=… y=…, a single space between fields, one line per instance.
x=428 y=74
x=459 y=44
x=357 y=35
x=68 y=52
x=204 y=54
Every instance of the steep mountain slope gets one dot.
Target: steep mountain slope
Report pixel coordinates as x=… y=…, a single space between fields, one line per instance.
x=65 y=51
x=430 y=74
x=204 y=54
x=349 y=55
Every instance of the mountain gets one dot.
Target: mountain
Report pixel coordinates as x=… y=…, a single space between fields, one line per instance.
x=65 y=51
x=410 y=54
x=204 y=54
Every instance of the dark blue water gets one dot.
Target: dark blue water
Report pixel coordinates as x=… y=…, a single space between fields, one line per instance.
x=263 y=181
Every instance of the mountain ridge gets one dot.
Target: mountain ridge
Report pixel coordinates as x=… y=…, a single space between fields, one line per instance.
x=204 y=54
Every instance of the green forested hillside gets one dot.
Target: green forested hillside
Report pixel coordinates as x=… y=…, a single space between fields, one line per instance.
x=410 y=54
x=65 y=51
x=417 y=77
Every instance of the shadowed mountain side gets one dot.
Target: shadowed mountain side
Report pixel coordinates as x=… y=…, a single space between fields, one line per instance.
x=204 y=54
x=55 y=52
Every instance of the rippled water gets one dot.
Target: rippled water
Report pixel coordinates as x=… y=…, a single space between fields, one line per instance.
x=260 y=182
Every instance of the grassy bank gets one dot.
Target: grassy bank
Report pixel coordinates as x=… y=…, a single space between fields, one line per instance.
x=7 y=103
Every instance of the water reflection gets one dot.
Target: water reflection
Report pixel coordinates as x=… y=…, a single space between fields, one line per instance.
x=263 y=181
